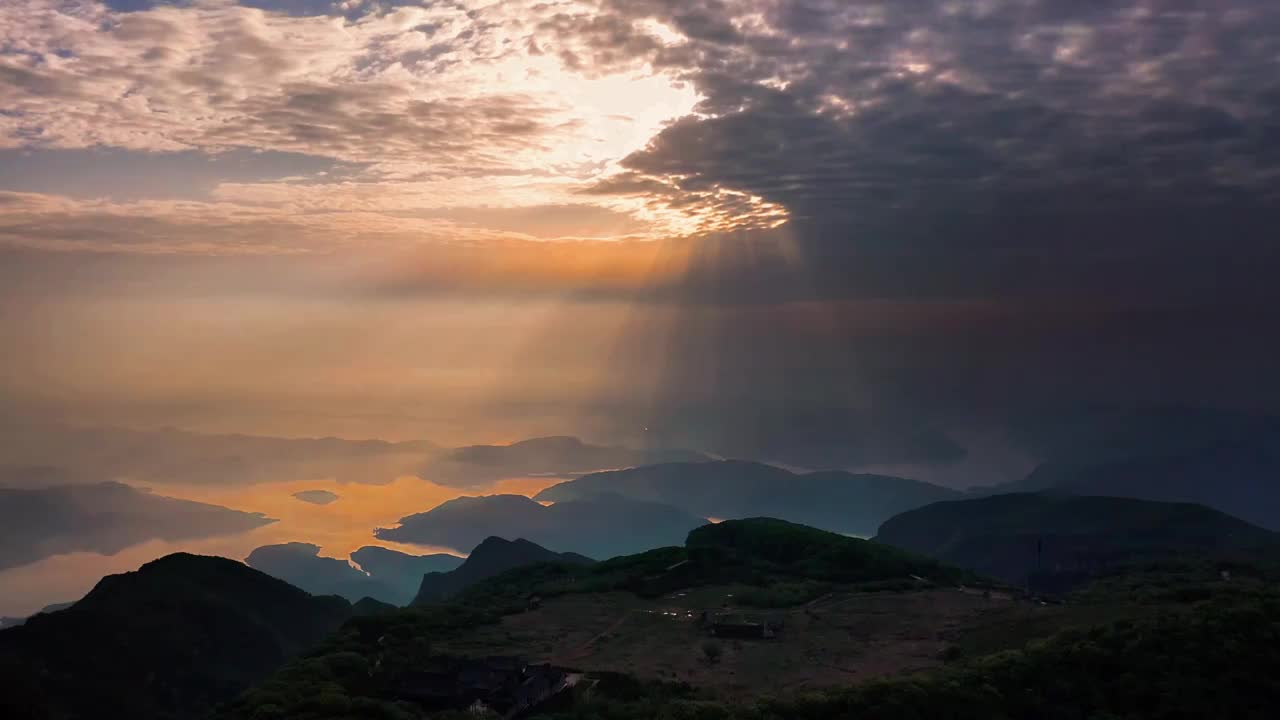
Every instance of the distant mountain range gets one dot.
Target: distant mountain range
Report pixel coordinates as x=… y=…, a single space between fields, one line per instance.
x=388 y=576
x=402 y=571
x=47 y=454
x=491 y=557
x=554 y=456
x=1226 y=460
x=1056 y=541
x=833 y=500
x=41 y=455
x=1241 y=480
x=7 y=622
x=601 y=525
x=171 y=640
x=104 y=518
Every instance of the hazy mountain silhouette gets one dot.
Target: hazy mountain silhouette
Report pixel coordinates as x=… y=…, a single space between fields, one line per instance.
x=316 y=497
x=401 y=571
x=385 y=575
x=492 y=556
x=300 y=564
x=104 y=518
x=1240 y=479
x=832 y=500
x=54 y=454
x=600 y=526
x=1229 y=461
x=170 y=640
x=55 y=607
x=558 y=456
x=365 y=607
x=1058 y=540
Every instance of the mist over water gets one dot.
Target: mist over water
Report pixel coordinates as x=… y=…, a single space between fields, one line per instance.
x=338 y=528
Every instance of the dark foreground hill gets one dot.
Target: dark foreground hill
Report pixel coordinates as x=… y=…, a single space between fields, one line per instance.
x=832 y=500
x=171 y=640
x=1056 y=541
x=491 y=557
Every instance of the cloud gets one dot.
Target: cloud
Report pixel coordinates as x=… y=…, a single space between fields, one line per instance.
x=860 y=113
x=905 y=204
x=411 y=99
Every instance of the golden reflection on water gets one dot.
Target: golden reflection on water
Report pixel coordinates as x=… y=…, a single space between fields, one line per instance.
x=338 y=528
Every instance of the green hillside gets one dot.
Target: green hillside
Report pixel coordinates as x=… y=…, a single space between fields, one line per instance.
x=1166 y=645
x=763 y=553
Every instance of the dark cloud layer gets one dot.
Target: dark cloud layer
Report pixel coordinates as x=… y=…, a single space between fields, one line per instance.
x=984 y=147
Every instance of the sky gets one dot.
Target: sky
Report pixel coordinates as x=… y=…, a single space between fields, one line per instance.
x=893 y=235
x=643 y=220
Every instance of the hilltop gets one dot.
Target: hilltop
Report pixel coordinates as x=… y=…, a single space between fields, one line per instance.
x=776 y=557
x=1055 y=541
x=1229 y=461
x=170 y=640
x=491 y=557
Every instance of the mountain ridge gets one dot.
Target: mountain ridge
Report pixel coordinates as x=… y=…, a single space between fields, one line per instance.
x=853 y=503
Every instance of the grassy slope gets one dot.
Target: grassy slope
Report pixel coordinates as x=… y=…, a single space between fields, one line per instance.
x=1167 y=644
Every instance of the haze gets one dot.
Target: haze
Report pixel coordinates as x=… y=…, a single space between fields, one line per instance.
x=918 y=238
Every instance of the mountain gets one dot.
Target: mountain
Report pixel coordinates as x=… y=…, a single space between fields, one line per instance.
x=1229 y=461
x=762 y=618
x=491 y=557
x=773 y=562
x=771 y=546
x=832 y=500
x=401 y=571
x=600 y=526
x=1241 y=480
x=386 y=576
x=171 y=640
x=6 y=622
x=301 y=565
x=365 y=607
x=104 y=518
x=1054 y=541
x=555 y=456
